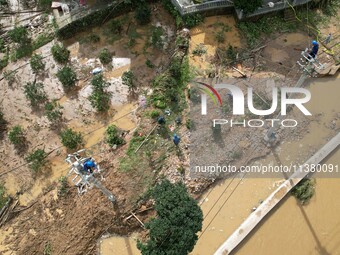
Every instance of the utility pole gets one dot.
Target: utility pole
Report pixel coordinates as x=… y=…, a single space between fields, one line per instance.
x=308 y=64
x=85 y=181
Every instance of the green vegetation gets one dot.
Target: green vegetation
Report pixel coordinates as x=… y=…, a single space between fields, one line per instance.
x=105 y=56
x=16 y=135
x=37 y=160
x=37 y=63
x=71 y=139
x=3 y=122
x=42 y=39
x=254 y=30
x=53 y=111
x=115 y=26
x=219 y=36
x=199 y=50
x=231 y=54
x=63 y=186
x=60 y=53
x=45 y=4
x=2 y=45
x=3 y=196
x=3 y=3
x=4 y=61
x=113 y=136
x=178 y=219
x=47 y=249
x=247 y=6
x=128 y=79
x=18 y=34
x=92 y=38
x=67 y=77
x=149 y=64
x=143 y=14
x=9 y=77
x=156 y=37
x=100 y=98
x=155 y=114
x=304 y=190
x=34 y=92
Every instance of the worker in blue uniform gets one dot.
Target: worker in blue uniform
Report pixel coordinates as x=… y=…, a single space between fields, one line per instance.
x=314 y=50
x=89 y=166
x=176 y=139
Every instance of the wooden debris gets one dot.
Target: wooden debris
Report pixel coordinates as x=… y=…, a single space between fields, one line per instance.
x=134 y=215
x=240 y=72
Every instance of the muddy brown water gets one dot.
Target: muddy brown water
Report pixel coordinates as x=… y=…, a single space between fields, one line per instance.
x=290 y=228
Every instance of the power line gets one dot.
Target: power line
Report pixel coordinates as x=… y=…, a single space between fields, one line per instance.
x=48 y=153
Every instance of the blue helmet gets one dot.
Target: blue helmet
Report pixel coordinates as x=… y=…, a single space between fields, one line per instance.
x=90 y=164
x=314 y=42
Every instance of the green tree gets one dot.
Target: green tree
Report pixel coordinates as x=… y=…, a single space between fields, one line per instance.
x=18 y=34
x=16 y=135
x=156 y=37
x=100 y=98
x=143 y=14
x=113 y=136
x=128 y=79
x=37 y=160
x=178 y=220
x=53 y=111
x=71 y=139
x=247 y=6
x=67 y=77
x=105 y=56
x=35 y=93
x=60 y=53
x=37 y=63
x=304 y=190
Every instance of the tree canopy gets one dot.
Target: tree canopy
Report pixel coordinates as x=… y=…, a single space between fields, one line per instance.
x=179 y=218
x=247 y=6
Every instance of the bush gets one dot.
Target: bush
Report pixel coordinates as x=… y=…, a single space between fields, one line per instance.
x=155 y=114
x=60 y=53
x=36 y=63
x=115 y=27
x=2 y=45
x=53 y=111
x=71 y=139
x=113 y=136
x=67 y=77
x=178 y=219
x=304 y=190
x=35 y=93
x=37 y=160
x=24 y=50
x=143 y=14
x=156 y=37
x=18 y=35
x=199 y=50
x=128 y=80
x=105 y=56
x=149 y=64
x=219 y=36
x=16 y=135
x=100 y=99
x=247 y=6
